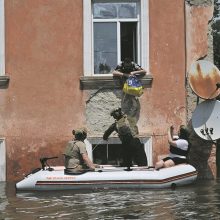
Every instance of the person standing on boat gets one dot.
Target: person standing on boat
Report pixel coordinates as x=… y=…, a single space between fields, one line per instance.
x=128 y=134
x=178 y=148
x=76 y=157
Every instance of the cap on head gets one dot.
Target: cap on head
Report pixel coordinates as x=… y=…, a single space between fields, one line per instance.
x=117 y=113
x=115 y=110
x=80 y=133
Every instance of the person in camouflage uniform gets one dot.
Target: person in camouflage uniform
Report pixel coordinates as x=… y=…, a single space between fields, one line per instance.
x=76 y=157
x=128 y=134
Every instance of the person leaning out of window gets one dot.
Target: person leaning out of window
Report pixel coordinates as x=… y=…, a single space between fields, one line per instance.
x=130 y=104
x=127 y=68
x=178 y=148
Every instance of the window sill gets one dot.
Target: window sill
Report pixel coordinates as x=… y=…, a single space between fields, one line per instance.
x=108 y=82
x=115 y=139
x=4 y=81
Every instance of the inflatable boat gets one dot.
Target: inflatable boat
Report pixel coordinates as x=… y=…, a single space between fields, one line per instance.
x=107 y=177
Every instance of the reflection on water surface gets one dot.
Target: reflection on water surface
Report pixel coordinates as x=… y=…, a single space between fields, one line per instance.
x=198 y=201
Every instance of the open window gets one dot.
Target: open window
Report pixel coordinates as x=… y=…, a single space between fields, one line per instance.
x=115 y=33
x=113 y=30
x=107 y=154
x=102 y=152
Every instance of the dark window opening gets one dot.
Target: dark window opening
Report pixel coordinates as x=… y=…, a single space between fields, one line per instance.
x=129 y=40
x=108 y=154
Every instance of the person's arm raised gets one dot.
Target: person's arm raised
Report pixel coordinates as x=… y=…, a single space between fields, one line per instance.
x=108 y=132
x=170 y=136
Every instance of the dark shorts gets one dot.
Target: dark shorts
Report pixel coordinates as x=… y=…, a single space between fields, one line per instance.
x=176 y=160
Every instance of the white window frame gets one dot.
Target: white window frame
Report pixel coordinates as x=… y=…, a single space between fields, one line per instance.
x=2 y=38
x=147 y=141
x=2 y=160
x=143 y=41
x=117 y=21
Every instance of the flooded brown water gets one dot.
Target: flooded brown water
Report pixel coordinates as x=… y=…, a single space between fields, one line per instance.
x=198 y=201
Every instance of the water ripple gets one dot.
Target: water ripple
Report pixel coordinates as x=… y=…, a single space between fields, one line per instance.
x=200 y=201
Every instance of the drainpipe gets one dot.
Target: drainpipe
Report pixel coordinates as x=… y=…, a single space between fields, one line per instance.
x=216 y=56
x=184 y=12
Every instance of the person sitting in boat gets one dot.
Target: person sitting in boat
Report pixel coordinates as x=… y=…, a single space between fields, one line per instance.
x=128 y=134
x=178 y=148
x=76 y=157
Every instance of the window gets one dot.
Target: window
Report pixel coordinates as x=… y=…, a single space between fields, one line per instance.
x=2 y=39
x=111 y=154
x=114 y=30
x=107 y=154
x=115 y=33
x=101 y=153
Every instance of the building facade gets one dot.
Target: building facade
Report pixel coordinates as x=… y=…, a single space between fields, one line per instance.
x=56 y=59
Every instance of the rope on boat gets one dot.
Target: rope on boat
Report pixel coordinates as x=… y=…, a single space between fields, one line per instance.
x=97 y=145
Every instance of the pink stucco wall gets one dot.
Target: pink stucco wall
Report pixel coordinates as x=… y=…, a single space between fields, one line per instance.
x=44 y=59
x=166 y=99
x=197 y=32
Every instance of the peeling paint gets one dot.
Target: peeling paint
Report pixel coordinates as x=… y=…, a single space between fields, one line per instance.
x=98 y=111
x=199 y=2
x=197 y=29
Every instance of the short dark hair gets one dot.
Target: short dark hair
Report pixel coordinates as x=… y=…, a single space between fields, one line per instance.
x=184 y=132
x=127 y=60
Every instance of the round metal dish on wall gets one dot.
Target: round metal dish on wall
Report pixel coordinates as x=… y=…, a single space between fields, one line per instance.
x=206 y=120
x=204 y=79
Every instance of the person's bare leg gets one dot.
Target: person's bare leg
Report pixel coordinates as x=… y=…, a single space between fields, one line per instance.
x=159 y=164
x=169 y=163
